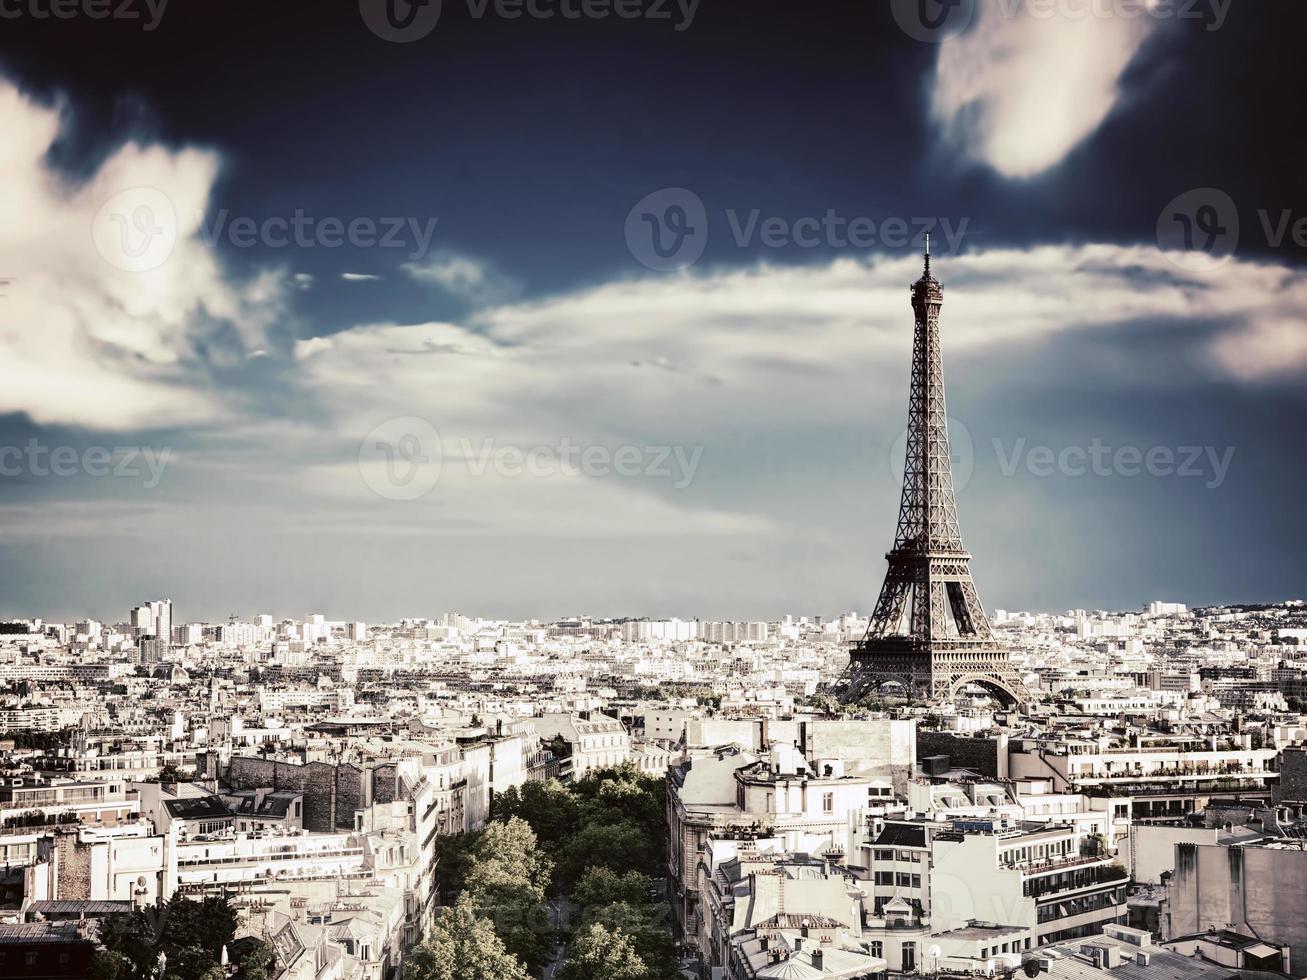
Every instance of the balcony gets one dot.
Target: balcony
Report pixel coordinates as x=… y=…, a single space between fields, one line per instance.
x=1074 y=880
x=1044 y=867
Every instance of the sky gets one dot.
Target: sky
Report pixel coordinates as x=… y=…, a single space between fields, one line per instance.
x=515 y=309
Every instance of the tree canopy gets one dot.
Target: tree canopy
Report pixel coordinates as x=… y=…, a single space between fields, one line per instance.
x=462 y=945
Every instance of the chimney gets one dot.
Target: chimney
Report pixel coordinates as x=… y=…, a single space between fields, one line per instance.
x=816 y=960
x=798 y=945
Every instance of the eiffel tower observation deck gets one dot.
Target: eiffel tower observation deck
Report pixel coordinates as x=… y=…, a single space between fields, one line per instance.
x=929 y=637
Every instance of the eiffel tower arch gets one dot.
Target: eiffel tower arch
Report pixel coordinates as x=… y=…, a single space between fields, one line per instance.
x=929 y=636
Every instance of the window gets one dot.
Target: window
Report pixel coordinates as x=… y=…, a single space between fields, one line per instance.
x=903 y=880
x=877 y=948
x=884 y=855
x=909 y=957
x=827 y=802
x=884 y=877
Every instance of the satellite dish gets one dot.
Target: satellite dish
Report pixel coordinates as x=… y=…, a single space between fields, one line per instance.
x=1031 y=968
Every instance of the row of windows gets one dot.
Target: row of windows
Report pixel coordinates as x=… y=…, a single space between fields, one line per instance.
x=898 y=879
x=1074 y=906
x=911 y=857
x=1013 y=947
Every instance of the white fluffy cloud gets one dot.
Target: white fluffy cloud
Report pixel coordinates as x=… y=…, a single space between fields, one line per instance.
x=87 y=338
x=707 y=352
x=729 y=358
x=1027 y=84
x=469 y=280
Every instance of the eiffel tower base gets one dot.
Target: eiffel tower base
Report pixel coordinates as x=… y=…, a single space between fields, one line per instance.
x=931 y=677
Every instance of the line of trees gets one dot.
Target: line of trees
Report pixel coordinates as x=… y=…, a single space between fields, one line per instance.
x=189 y=935
x=572 y=865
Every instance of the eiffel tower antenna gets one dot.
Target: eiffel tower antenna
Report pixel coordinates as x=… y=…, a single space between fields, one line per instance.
x=928 y=636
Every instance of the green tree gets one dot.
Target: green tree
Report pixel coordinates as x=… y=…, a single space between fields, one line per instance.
x=454 y=858
x=191 y=934
x=174 y=774
x=256 y=963
x=506 y=881
x=598 y=954
x=549 y=807
x=603 y=886
x=625 y=793
x=508 y=852
x=617 y=846
x=106 y=964
x=207 y=925
x=647 y=925
x=462 y=946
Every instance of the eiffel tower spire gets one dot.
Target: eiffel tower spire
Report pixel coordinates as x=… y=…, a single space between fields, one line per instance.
x=928 y=635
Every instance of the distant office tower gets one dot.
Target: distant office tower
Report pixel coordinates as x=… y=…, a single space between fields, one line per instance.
x=928 y=636
x=188 y=634
x=150 y=650
x=153 y=618
x=358 y=632
x=1166 y=608
x=315 y=628
x=142 y=621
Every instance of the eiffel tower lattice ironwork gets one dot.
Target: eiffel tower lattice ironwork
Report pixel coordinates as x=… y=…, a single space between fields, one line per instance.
x=929 y=636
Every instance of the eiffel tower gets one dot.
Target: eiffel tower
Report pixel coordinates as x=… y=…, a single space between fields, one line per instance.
x=929 y=636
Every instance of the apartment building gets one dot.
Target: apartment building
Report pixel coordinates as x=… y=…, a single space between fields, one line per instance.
x=779 y=795
x=1160 y=776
